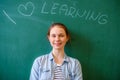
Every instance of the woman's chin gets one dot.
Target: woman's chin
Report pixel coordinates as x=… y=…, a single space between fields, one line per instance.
x=57 y=47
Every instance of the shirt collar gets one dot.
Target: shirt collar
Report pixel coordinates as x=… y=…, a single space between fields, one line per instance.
x=65 y=57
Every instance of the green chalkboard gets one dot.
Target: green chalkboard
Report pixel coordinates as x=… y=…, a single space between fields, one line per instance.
x=94 y=26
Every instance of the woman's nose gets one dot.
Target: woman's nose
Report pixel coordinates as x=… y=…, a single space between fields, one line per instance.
x=57 y=38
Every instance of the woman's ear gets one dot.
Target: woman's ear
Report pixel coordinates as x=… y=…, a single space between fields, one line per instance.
x=68 y=38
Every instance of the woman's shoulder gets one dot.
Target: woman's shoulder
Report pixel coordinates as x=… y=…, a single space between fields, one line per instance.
x=72 y=60
x=42 y=57
x=41 y=61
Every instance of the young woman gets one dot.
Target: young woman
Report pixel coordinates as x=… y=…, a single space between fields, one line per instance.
x=56 y=65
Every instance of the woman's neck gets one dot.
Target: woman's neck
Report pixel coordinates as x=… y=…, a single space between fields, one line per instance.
x=58 y=56
x=58 y=53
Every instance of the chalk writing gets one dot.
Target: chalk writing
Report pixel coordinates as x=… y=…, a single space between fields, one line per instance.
x=61 y=10
x=70 y=11
x=9 y=17
x=64 y=10
x=27 y=9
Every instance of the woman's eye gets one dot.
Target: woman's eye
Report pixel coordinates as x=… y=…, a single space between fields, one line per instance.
x=61 y=35
x=56 y=35
x=53 y=35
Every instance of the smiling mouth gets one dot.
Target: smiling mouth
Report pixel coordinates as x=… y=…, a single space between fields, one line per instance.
x=57 y=44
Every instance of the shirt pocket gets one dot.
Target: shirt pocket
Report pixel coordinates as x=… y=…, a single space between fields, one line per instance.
x=45 y=74
x=71 y=76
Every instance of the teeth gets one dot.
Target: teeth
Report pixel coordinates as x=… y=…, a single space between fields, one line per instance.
x=57 y=43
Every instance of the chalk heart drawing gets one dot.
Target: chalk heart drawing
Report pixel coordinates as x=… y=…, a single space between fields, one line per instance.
x=27 y=9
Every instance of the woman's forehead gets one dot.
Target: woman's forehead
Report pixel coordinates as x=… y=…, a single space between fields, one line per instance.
x=57 y=30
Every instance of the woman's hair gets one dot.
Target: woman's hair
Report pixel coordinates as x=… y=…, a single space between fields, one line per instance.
x=61 y=26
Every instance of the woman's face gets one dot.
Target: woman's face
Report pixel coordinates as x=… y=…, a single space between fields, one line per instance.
x=57 y=37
